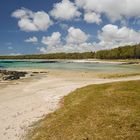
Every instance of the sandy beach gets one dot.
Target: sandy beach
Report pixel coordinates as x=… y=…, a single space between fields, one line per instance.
x=25 y=101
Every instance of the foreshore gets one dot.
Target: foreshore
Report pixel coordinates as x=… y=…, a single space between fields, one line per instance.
x=28 y=99
x=107 y=61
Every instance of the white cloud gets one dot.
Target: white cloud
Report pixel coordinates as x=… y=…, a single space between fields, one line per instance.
x=32 y=21
x=113 y=36
x=15 y=54
x=83 y=47
x=114 y=10
x=22 y=13
x=65 y=10
x=42 y=49
x=32 y=39
x=110 y=36
x=76 y=36
x=53 y=40
x=91 y=17
x=75 y=42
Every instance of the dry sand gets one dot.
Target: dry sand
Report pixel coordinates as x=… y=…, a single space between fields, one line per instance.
x=24 y=101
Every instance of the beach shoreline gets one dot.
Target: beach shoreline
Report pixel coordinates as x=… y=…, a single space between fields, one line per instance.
x=27 y=100
x=107 y=61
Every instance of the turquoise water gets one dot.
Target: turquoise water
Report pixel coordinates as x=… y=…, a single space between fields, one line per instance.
x=97 y=67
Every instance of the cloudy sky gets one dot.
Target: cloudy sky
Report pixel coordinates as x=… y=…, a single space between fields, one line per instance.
x=46 y=26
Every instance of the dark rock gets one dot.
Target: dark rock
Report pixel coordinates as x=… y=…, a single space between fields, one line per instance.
x=35 y=72
x=43 y=72
x=12 y=75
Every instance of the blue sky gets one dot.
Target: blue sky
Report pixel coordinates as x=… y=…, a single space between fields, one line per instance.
x=46 y=26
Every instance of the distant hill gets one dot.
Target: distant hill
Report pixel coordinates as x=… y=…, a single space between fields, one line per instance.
x=126 y=52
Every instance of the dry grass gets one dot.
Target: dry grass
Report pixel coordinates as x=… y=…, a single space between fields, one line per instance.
x=118 y=75
x=106 y=112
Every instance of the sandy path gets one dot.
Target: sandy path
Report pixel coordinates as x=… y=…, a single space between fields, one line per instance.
x=22 y=104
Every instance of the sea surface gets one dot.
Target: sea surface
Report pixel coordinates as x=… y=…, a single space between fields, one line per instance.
x=65 y=65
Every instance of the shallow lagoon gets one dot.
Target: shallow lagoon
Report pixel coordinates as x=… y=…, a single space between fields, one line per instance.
x=65 y=65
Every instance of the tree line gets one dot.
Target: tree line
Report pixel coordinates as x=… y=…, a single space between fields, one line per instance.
x=84 y=55
x=126 y=52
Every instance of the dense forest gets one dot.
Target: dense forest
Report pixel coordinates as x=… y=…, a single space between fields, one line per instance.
x=126 y=52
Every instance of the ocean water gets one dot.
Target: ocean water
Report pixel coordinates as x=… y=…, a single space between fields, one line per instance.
x=64 y=65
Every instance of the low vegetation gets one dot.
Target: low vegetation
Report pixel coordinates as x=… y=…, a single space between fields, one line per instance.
x=118 y=75
x=107 y=111
x=126 y=52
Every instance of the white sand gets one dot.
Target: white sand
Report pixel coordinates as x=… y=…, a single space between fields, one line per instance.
x=22 y=103
x=94 y=61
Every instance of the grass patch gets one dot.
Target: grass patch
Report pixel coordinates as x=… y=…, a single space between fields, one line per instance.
x=118 y=75
x=107 y=111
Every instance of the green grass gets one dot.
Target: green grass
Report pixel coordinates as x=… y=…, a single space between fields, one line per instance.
x=106 y=112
